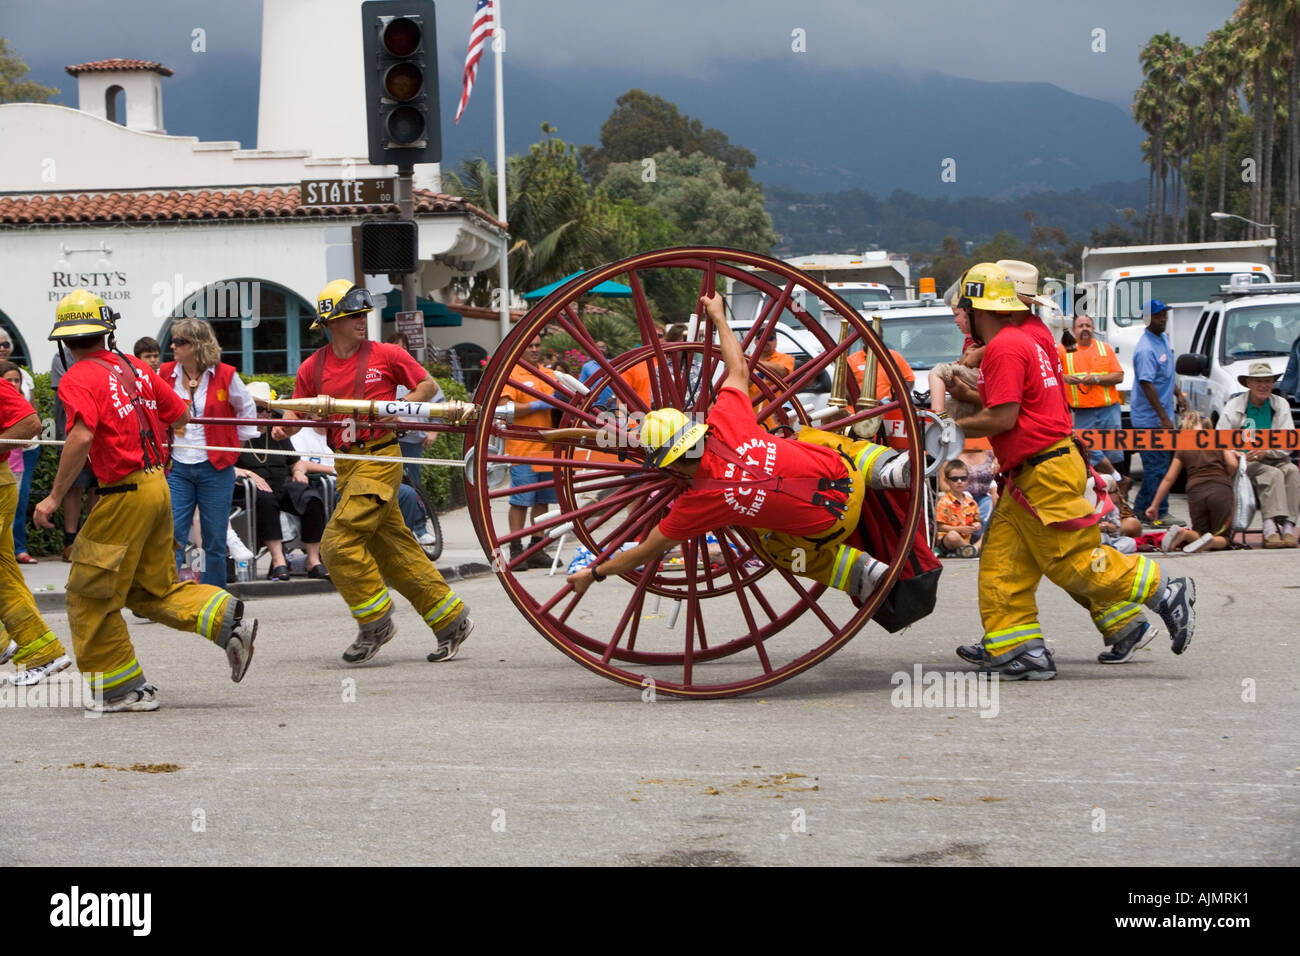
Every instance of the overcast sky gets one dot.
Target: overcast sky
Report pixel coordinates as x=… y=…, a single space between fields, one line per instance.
x=1026 y=40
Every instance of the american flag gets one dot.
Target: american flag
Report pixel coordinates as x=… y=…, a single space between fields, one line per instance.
x=479 y=31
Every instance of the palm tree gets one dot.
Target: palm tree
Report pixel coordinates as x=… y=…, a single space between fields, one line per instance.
x=1160 y=60
x=1146 y=113
x=554 y=226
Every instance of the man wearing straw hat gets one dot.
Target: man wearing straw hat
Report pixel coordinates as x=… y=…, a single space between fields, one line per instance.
x=366 y=545
x=1271 y=471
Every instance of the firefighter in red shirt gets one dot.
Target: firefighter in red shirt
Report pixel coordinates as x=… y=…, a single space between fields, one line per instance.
x=805 y=495
x=366 y=544
x=123 y=556
x=29 y=642
x=1043 y=523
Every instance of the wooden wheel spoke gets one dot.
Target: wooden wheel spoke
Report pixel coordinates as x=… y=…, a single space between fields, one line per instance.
x=570 y=323
x=660 y=375
x=744 y=547
x=734 y=571
x=808 y=599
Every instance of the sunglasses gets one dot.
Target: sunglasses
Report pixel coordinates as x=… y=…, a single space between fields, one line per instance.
x=959 y=477
x=176 y=342
x=6 y=345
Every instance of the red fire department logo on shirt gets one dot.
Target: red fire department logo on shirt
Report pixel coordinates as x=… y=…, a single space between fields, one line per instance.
x=759 y=458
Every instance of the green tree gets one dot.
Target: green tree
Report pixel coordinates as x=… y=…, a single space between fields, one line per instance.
x=555 y=228
x=643 y=124
x=693 y=195
x=13 y=88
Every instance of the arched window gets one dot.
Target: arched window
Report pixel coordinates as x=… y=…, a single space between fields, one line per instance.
x=19 y=354
x=262 y=328
x=115 y=105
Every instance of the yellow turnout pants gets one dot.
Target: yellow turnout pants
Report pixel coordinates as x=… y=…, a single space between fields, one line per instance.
x=367 y=546
x=1020 y=549
x=823 y=557
x=124 y=557
x=36 y=642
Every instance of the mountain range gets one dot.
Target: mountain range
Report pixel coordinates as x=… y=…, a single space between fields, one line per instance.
x=813 y=130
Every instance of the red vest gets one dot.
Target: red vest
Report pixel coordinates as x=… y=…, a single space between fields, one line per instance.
x=217 y=405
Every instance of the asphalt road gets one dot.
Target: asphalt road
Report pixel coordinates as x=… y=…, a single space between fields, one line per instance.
x=512 y=754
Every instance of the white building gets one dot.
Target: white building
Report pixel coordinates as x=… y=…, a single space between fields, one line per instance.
x=101 y=197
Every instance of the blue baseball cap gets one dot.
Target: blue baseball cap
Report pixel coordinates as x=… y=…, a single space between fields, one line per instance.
x=1154 y=307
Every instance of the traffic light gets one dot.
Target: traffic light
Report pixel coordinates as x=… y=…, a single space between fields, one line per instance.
x=401 y=57
x=389 y=246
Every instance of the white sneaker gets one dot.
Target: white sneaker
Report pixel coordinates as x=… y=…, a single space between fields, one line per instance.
x=1168 y=538
x=895 y=473
x=34 y=675
x=865 y=575
x=1198 y=544
x=144 y=699
x=236 y=548
x=8 y=653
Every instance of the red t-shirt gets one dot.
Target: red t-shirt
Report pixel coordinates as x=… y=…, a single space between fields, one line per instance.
x=1037 y=330
x=13 y=409
x=731 y=421
x=92 y=393
x=1018 y=369
x=389 y=366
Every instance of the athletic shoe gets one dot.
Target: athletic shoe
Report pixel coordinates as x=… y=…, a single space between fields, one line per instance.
x=144 y=699
x=372 y=637
x=8 y=653
x=1131 y=640
x=865 y=575
x=1177 y=609
x=239 y=648
x=1169 y=537
x=34 y=675
x=1029 y=665
x=1163 y=521
x=1199 y=543
x=895 y=473
x=972 y=653
x=451 y=637
x=1274 y=541
x=427 y=541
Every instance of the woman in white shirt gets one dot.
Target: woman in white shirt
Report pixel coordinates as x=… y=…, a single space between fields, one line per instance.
x=198 y=478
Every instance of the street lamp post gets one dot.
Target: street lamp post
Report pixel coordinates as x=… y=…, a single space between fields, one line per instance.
x=1262 y=225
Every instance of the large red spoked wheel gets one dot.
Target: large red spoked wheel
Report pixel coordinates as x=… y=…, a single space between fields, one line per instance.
x=714 y=620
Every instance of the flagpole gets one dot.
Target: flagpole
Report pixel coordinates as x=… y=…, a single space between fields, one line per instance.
x=498 y=44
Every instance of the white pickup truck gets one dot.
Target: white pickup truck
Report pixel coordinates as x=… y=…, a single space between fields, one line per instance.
x=1247 y=324
x=1184 y=276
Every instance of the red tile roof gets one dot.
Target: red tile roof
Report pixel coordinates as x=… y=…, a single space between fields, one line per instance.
x=117 y=66
x=203 y=204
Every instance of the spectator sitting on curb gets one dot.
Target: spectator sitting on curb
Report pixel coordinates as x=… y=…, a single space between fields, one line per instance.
x=1272 y=473
x=957 y=526
x=1209 y=487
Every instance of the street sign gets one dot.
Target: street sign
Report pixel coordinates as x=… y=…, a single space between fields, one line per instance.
x=411 y=324
x=346 y=192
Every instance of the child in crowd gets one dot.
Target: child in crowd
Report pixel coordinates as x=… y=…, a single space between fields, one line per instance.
x=958 y=529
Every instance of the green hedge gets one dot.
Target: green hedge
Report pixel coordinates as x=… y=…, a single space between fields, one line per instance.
x=444 y=487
